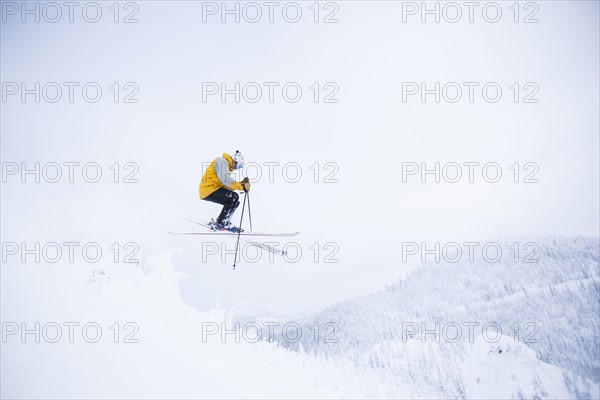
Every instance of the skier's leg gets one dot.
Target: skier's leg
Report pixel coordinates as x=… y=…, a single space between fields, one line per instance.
x=219 y=196
x=228 y=199
x=229 y=208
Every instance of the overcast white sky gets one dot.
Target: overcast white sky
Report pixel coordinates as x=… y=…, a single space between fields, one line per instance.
x=366 y=136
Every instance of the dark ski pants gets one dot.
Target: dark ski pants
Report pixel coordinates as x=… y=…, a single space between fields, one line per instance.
x=228 y=198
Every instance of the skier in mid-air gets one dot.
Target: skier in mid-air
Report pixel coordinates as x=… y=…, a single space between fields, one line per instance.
x=219 y=187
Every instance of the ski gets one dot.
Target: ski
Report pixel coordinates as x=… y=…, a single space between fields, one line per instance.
x=266 y=247
x=227 y=233
x=196 y=222
x=289 y=234
x=246 y=235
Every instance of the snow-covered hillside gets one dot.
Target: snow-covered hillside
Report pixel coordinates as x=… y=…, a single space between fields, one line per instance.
x=436 y=330
x=153 y=345
x=157 y=351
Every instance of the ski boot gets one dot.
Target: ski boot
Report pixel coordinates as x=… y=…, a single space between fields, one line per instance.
x=225 y=226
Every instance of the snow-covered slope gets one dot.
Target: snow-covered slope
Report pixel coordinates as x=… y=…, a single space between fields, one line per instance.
x=509 y=370
x=160 y=354
x=153 y=345
x=421 y=331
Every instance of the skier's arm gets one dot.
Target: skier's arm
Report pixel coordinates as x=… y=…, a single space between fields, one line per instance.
x=222 y=169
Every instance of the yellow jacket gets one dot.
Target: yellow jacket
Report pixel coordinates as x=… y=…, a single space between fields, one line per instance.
x=218 y=175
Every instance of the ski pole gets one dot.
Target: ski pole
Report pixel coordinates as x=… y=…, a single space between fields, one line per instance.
x=239 y=231
x=249 y=212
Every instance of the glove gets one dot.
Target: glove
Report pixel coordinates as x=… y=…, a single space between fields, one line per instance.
x=246 y=184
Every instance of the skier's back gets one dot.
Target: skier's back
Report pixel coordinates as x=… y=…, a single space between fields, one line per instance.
x=218 y=186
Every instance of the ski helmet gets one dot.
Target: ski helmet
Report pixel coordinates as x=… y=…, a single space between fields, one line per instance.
x=239 y=159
